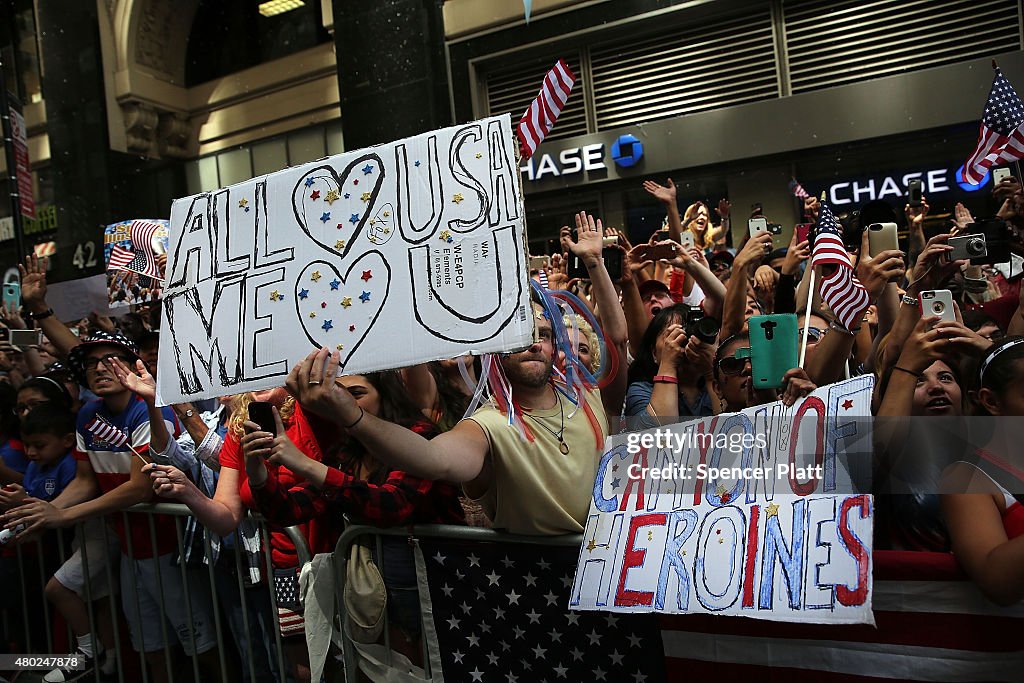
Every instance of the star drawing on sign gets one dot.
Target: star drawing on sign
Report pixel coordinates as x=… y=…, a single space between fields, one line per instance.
x=478 y=155
x=339 y=245
x=365 y=277
x=615 y=482
x=364 y=297
x=365 y=196
x=331 y=196
x=327 y=325
x=771 y=511
x=323 y=304
x=416 y=163
x=387 y=214
x=368 y=169
x=341 y=347
x=315 y=194
x=242 y=203
x=354 y=218
x=315 y=276
x=273 y=295
x=351 y=328
x=325 y=216
x=457 y=198
x=355 y=182
x=347 y=195
x=346 y=302
x=444 y=235
x=847 y=404
x=335 y=283
x=303 y=293
x=309 y=182
x=312 y=314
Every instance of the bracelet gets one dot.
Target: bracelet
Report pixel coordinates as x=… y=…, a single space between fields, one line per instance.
x=917 y=375
x=40 y=316
x=834 y=325
x=910 y=301
x=361 y=413
x=666 y=379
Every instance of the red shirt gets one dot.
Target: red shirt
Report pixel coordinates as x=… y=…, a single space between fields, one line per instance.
x=303 y=430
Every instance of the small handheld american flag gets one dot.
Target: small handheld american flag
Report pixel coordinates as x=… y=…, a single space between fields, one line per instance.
x=1001 y=135
x=103 y=430
x=841 y=290
x=542 y=113
x=798 y=190
x=141 y=258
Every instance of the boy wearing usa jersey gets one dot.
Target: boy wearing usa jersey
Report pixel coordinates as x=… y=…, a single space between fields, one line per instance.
x=108 y=480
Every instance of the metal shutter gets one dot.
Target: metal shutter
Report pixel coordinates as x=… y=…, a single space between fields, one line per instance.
x=832 y=43
x=693 y=69
x=512 y=90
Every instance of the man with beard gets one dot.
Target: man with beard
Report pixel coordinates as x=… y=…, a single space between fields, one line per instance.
x=540 y=486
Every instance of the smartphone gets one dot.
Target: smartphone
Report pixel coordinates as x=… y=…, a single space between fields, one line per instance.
x=26 y=337
x=659 y=236
x=803 y=232
x=938 y=302
x=882 y=237
x=12 y=294
x=539 y=262
x=612 y=262
x=686 y=240
x=656 y=252
x=756 y=225
x=914 y=192
x=1000 y=174
x=262 y=413
x=773 y=348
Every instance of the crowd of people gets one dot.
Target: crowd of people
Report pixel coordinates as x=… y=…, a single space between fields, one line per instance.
x=668 y=339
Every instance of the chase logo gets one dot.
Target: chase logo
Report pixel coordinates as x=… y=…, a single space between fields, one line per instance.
x=627 y=150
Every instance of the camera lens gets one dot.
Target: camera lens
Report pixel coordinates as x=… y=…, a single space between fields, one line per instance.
x=706 y=329
x=975 y=247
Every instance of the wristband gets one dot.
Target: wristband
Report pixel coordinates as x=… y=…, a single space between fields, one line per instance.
x=910 y=301
x=40 y=316
x=361 y=413
x=917 y=375
x=665 y=379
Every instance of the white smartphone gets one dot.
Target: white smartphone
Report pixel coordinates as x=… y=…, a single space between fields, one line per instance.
x=1000 y=174
x=938 y=302
x=882 y=237
x=686 y=240
x=756 y=225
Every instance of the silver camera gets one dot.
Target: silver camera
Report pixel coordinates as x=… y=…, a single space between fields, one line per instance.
x=967 y=247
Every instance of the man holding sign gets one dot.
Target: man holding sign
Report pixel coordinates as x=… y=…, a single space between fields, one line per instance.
x=528 y=487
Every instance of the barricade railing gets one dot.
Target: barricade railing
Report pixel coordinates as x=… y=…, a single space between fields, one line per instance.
x=267 y=667
x=354 y=533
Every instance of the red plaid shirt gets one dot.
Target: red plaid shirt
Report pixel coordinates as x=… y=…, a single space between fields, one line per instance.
x=401 y=499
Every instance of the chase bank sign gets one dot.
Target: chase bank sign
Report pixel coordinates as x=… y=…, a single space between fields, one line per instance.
x=626 y=152
x=933 y=182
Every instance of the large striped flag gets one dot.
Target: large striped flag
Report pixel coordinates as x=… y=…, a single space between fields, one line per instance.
x=542 y=113
x=841 y=289
x=141 y=258
x=798 y=190
x=1001 y=138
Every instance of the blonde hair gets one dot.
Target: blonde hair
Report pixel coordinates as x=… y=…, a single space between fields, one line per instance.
x=591 y=338
x=705 y=240
x=240 y=412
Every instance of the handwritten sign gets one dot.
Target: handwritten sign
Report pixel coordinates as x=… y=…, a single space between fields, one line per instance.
x=393 y=255
x=749 y=514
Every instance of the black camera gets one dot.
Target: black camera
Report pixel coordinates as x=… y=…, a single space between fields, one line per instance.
x=703 y=327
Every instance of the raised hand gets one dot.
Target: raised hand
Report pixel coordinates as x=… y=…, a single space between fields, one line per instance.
x=875 y=272
x=33 y=281
x=312 y=384
x=916 y=214
x=961 y=217
x=589 y=234
x=139 y=381
x=664 y=194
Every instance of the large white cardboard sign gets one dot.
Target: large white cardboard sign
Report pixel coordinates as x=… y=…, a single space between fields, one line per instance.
x=393 y=255
x=748 y=514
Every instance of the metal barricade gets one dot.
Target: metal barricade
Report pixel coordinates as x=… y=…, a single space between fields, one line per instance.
x=448 y=532
x=194 y=589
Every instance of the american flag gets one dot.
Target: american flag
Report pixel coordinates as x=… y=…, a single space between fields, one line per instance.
x=1001 y=138
x=106 y=432
x=500 y=614
x=841 y=290
x=798 y=190
x=140 y=259
x=540 y=116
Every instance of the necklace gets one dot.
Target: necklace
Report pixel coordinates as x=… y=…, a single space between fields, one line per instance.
x=563 y=447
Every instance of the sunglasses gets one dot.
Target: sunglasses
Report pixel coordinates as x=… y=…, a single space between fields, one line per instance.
x=732 y=366
x=814 y=334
